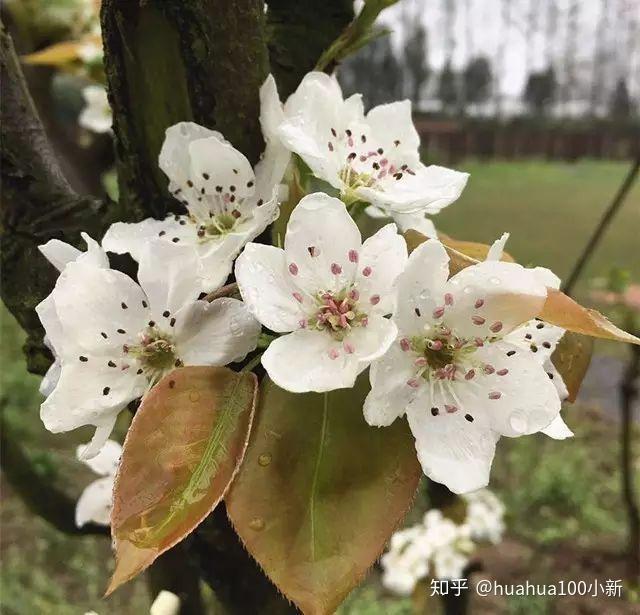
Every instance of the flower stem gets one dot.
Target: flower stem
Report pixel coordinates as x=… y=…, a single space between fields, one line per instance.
x=224 y=291
x=602 y=226
x=253 y=363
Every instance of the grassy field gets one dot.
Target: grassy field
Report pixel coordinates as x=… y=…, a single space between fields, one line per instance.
x=563 y=498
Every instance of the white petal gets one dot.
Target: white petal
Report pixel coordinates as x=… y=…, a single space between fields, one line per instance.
x=383 y=256
x=497 y=248
x=521 y=401
x=430 y=189
x=174 y=157
x=94 y=305
x=371 y=342
x=376 y=213
x=300 y=362
x=492 y=297
x=90 y=394
x=270 y=170
x=123 y=237
x=263 y=279
x=320 y=238
x=95 y=503
x=421 y=286
x=547 y=277
x=537 y=338
x=418 y=222
x=54 y=333
x=105 y=463
x=104 y=427
x=50 y=379
x=390 y=394
x=216 y=163
x=393 y=122
x=558 y=429
x=217 y=333
x=170 y=277
x=312 y=111
x=452 y=450
x=59 y=253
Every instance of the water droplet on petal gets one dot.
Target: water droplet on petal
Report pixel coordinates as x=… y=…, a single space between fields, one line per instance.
x=518 y=422
x=194 y=396
x=257 y=524
x=264 y=459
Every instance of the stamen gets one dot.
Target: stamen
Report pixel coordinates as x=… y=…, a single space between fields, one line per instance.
x=495 y=395
x=293 y=269
x=336 y=269
x=478 y=320
x=353 y=256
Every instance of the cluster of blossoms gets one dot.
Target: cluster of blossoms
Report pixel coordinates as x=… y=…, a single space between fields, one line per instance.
x=440 y=548
x=463 y=357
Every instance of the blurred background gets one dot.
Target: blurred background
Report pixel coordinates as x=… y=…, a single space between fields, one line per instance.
x=539 y=100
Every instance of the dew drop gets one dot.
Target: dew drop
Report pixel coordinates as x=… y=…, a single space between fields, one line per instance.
x=518 y=422
x=257 y=524
x=264 y=459
x=494 y=281
x=194 y=396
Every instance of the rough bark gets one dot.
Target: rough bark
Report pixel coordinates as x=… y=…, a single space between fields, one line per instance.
x=37 y=205
x=299 y=31
x=173 y=60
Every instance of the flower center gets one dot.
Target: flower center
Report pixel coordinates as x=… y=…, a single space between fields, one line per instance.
x=156 y=353
x=338 y=313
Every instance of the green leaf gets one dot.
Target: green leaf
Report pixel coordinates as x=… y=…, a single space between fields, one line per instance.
x=320 y=492
x=182 y=450
x=357 y=34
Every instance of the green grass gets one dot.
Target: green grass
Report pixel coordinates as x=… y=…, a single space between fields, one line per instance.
x=550 y=209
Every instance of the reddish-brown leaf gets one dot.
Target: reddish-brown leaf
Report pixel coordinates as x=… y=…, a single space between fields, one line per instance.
x=320 y=492
x=571 y=358
x=182 y=450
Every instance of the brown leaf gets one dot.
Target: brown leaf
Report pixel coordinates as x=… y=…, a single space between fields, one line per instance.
x=561 y=310
x=321 y=492
x=571 y=358
x=182 y=450
x=60 y=54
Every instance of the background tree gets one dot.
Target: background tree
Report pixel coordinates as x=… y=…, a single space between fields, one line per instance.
x=416 y=62
x=448 y=88
x=620 y=101
x=540 y=91
x=477 y=79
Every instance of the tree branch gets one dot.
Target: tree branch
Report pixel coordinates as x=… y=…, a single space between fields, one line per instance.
x=299 y=31
x=37 y=205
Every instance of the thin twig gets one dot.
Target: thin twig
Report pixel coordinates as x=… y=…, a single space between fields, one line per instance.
x=602 y=226
x=224 y=291
x=629 y=394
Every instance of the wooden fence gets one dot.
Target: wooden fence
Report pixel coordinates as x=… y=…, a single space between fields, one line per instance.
x=450 y=141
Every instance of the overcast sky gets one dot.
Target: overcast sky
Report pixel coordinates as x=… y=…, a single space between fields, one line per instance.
x=483 y=23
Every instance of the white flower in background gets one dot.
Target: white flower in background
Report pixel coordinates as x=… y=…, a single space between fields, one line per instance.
x=95 y=503
x=166 y=603
x=96 y=115
x=407 y=560
x=327 y=288
x=60 y=254
x=115 y=338
x=372 y=158
x=228 y=204
x=461 y=382
x=485 y=516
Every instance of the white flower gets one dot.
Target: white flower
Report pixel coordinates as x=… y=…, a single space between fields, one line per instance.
x=115 y=338
x=373 y=158
x=95 y=503
x=90 y=50
x=96 y=115
x=452 y=370
x=329 y=289
x=485 y=515
x=228 y=204
x=407 y=560
x=166 y=603
x=60 y=254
